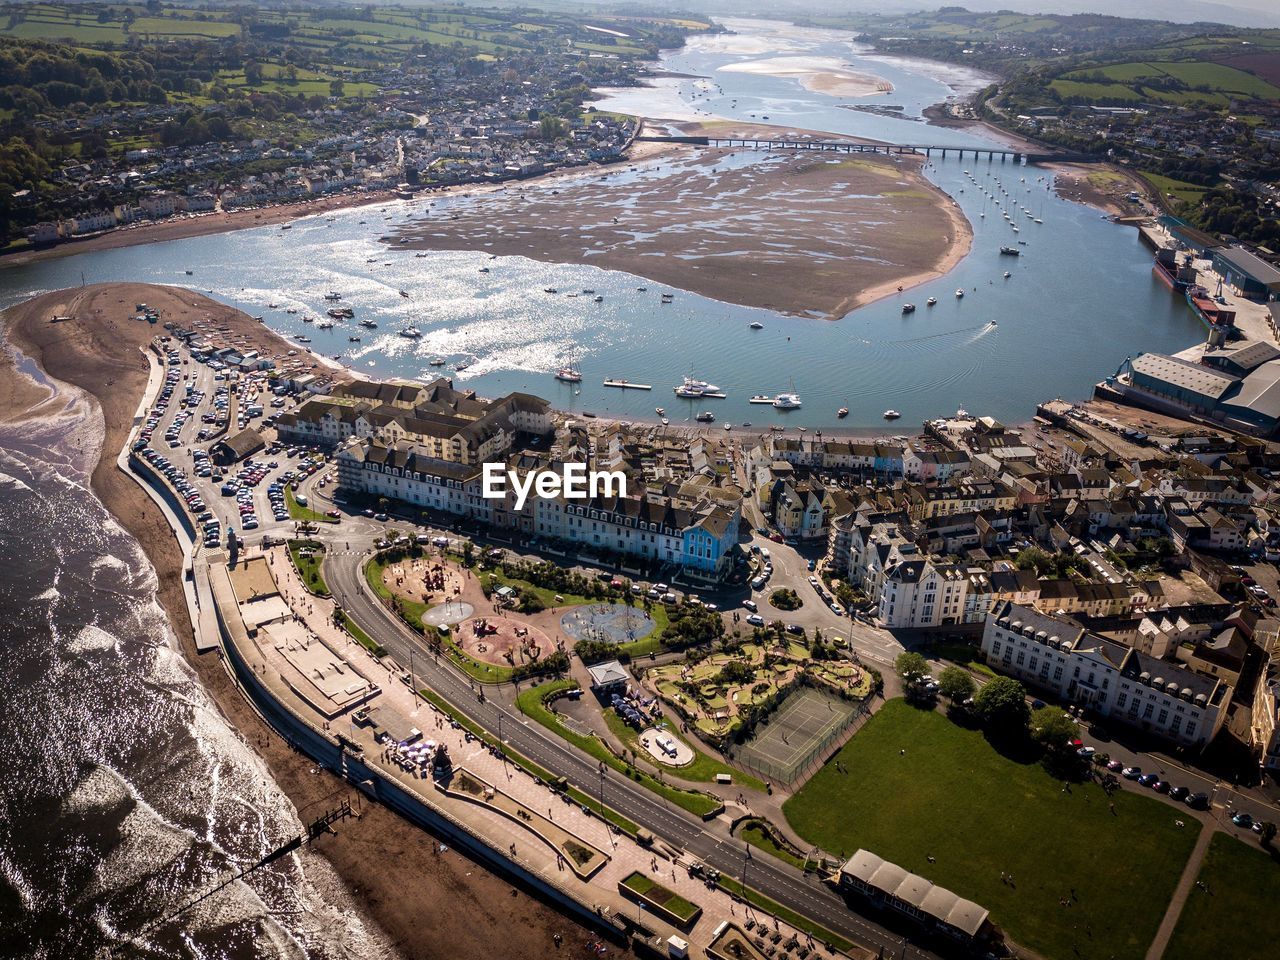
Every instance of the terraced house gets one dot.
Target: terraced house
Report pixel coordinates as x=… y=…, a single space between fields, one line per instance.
x=438 y=421
x=691 y=526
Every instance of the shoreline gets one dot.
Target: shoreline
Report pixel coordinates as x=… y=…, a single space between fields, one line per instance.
x=759 y=234
x=391 y=869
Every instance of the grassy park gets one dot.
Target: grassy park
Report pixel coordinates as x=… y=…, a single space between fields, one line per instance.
x=937 y=799
x=307 y=555
x=1229 y=916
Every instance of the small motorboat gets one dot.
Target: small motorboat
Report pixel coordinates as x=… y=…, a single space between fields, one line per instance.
x=891 y=415
x=659 y=411
x=757 y=325
x=932 y=301
x=705 y=417
x=353 y=339
x=1007 y=274
x=437 y=361
x=959 y=293
x=908 y=308
x=842 y=412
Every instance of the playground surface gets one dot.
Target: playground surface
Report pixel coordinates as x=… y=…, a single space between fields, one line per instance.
x=606 y=623
x=424 y=580
x=502 y=641
x=798 y=729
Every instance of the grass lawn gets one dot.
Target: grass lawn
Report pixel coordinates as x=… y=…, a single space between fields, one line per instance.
x=647 y=888
x=755 y=834
x=1181 y=190
x=299 y=512
x=1232 y=918
x=702 y=769
x=532 y=703
x=309 y=566
x=952 y=797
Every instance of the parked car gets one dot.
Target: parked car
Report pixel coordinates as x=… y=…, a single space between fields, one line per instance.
x=756 y=620
x=1131 y=773
x=1242 y=820
x=1198 y=801
x=1178 y=793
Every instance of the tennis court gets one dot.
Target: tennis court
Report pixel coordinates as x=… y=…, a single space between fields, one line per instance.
x=801 y=728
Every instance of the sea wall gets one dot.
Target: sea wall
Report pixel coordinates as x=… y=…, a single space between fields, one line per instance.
x=304 y=736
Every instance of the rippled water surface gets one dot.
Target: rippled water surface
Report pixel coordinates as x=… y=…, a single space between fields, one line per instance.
x=125 y=791
x=1081 y=297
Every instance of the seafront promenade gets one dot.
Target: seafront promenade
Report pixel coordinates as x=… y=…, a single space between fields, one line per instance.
x=311 y=680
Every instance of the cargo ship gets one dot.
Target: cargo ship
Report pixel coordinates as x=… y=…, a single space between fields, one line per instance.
x=1167 y=271
x=1211 y=313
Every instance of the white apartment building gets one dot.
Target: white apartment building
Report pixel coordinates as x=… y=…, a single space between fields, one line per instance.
x=1061 y=657
x=918 y=594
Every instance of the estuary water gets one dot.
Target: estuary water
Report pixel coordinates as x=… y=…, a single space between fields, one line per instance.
x=1080 y=299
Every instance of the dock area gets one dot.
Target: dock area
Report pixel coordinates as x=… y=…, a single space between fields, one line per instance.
x=628 y=385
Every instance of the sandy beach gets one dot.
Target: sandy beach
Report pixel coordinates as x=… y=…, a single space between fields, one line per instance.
x=817 y=74
x=429 y=904
x=1103 y=186
x=804 y=234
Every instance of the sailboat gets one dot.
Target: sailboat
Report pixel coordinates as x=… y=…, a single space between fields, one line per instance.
x=569 y=373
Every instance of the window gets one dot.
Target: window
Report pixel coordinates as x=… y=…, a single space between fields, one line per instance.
x=1121 y=700
x=1057 y=673
x=1150 y=709
x=1021 y=656
x=1191 y=727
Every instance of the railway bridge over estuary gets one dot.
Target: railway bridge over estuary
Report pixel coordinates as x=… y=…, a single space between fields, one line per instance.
x=856 y=146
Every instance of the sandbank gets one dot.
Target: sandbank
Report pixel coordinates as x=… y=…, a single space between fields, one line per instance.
x=806 y=234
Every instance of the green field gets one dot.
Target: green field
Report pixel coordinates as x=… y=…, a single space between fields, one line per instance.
x=1216 y=77
x=1231 y=918
x=1182 y=191
x=952 y=797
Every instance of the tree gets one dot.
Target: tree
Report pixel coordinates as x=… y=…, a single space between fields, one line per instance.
x=1002 y=705
x=252 y=73
x=550 y=128
x=956 y=684
x=911 y=667
x=1052 y=728
x=336 y=88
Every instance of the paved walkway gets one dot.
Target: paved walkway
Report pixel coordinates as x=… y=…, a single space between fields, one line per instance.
x=1180 y=894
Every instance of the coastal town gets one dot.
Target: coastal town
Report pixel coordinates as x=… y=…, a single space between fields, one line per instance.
x=412 y=115
x=953 y=686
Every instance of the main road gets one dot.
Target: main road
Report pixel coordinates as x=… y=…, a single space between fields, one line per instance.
x=779 y=881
